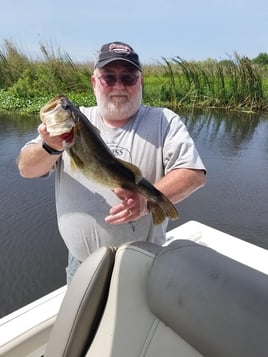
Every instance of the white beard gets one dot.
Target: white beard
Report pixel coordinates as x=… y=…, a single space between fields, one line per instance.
x=117 y=105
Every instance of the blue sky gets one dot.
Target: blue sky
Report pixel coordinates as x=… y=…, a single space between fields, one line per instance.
x=190 y=29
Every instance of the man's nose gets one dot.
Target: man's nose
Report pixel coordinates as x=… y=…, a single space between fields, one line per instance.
x=118 y=83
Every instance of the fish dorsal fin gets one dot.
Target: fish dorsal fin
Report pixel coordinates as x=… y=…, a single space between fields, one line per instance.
x=136 y=171
x=97 y=130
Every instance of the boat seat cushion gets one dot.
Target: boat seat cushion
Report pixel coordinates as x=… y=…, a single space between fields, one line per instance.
x=182 y=300
x=216 y=304
x=82 y=306
x=128 y=326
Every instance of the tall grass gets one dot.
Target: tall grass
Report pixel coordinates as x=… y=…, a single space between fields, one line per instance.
x=12 y=64
x=235 y=83
x=54 y=72
x=27 y=83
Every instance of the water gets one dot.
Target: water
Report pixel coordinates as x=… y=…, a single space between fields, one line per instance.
x=235 y=199
x=33 y=256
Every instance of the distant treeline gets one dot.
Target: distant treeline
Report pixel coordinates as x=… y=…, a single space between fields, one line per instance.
x=235 y=83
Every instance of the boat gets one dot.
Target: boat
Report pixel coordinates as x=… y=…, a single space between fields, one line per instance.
x=203 y=293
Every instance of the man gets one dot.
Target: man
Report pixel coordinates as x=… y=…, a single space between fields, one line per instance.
x=154 y=139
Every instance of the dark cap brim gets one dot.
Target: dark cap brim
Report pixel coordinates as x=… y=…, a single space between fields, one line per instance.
x=103 y=63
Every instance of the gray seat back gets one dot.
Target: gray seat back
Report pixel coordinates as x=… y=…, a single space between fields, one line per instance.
x=82 y=306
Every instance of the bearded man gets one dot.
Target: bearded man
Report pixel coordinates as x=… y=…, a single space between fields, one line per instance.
x=154 y=139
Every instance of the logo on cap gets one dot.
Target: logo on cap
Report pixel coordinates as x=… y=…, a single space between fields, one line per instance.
x=118 y=48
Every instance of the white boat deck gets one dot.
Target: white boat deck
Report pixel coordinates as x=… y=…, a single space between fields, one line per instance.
x=26 y=321
x=226 y=244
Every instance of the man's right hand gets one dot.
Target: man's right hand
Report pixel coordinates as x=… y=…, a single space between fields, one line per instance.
x=55 y=142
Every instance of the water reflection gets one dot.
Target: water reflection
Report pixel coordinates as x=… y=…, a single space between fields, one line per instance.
x=237 y=127
x=17 y=123
x=228 y=133
x=233 y=146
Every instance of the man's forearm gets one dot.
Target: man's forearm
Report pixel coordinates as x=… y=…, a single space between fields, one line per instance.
x=181 y=183
x=33 y=161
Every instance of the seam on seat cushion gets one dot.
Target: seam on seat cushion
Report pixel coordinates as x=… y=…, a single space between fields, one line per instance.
x=164 y=342
x=146 y=248
x=149 y=338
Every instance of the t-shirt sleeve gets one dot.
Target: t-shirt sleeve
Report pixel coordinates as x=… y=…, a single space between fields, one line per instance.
x=179 y=150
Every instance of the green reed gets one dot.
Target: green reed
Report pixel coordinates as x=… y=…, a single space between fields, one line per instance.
x=54 y=72
x=235 y=83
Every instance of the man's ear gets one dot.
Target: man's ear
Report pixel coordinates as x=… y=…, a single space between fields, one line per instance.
x=93 y=80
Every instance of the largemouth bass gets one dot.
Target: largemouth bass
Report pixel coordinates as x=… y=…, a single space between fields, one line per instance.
x=92 y=157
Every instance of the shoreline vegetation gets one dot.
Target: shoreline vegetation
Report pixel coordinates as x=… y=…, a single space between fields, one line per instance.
x=234 y=84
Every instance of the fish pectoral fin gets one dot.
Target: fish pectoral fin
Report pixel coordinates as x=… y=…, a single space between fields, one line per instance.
x=136 y=171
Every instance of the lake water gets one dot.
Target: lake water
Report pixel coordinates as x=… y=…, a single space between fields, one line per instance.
x=33 y=257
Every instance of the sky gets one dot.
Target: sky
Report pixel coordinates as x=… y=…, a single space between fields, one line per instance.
x=190 y=29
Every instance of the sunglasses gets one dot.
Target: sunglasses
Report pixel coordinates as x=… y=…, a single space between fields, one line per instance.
x=110 y=79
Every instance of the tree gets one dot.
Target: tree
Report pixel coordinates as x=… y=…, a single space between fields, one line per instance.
x=261 y=59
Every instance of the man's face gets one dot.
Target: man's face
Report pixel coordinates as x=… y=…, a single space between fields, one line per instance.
x=118 y=90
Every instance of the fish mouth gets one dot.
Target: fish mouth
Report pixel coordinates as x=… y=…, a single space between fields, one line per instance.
x=68 y=138
x=58 y=117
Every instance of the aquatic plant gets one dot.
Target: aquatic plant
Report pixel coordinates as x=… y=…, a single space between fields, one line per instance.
x=236 y=83
x=233 y=83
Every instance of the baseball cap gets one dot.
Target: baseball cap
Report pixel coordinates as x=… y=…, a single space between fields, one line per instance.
x=117 y=51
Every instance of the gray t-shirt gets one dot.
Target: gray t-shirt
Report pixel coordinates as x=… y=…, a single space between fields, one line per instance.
x=155 y=140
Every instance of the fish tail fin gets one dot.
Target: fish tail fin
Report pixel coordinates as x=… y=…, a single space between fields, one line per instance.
x=162 y=209
x=158 y=204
